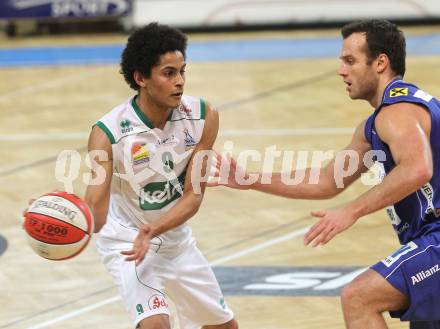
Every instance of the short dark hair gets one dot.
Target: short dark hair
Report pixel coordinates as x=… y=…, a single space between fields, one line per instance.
x=383 y=37
x=144 y=48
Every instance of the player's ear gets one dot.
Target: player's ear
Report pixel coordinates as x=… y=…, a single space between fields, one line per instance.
x=139 y=78
x=382 y=63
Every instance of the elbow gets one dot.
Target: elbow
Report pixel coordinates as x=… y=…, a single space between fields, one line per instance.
x=99 y=219
x=330 y=194
x=196 y=202
x=423 y=174
x=330 y=190
x=97 y=226
x=334 y=192
x=99 y=216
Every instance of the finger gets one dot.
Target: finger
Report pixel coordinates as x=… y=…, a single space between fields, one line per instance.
x=218 y=157
x=218 y=161
x=229 y=159
x=127 y=252
x=329 y=236
x=321 y=237
x=139 y=260
x=224 y=171
x=217 y=153
x=214 y=173
x=132 y=257
x=314 y=231
x=318 y=213
x=320 y=224
x=142 y=254
x=212 y=183
x=221 y=160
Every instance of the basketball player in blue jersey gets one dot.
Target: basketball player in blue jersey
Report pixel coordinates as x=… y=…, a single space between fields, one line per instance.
x=143 y=151
x=404 y=131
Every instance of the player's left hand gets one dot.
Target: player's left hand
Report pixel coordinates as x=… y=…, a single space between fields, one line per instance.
x=331 y=222
x=140 y=245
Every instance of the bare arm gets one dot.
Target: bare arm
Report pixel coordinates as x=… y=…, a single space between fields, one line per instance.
x=98 y=195
x=324 y=187
x=190 y=201
x=405 y=128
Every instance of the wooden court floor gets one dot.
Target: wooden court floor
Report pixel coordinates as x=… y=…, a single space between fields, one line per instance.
x=49 y=109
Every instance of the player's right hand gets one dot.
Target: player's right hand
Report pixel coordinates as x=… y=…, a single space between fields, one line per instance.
x=141 y=244
x=228 y=173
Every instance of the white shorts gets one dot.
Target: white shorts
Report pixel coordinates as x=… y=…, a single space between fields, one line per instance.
x=184 y=275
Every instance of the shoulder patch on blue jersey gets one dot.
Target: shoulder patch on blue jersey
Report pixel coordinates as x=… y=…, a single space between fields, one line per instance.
x=397 y=92
x=423 y=95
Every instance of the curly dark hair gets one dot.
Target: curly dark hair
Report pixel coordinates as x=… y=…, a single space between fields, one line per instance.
x=144 y=48
x=383 y=37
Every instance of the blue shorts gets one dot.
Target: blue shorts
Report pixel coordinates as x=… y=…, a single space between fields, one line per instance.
x=424 y=325
x=414 y=269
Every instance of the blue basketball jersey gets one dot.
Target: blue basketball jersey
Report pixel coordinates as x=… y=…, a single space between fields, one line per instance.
x=419 y=213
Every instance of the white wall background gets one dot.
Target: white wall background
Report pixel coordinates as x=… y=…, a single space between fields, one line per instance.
x=211 y=13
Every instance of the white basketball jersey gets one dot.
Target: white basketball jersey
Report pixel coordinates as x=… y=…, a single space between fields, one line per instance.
x=149 y=166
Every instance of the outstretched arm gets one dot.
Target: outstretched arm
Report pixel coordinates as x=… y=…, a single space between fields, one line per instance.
x=405 y=128
x=332 y=179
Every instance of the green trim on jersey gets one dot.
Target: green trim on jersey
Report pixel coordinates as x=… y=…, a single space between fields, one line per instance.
x=202 y=109
x=171 y=115
x=137 y=132
x=202 y=113
x=185 y=119
x=141 y=114
x=107 y=131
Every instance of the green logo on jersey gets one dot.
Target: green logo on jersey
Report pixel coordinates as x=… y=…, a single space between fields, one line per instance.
x=139 y=309
x=157 y=195
x=126 y=126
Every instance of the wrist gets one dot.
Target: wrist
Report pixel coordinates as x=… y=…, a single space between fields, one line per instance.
x=355 y=208
x=156 y=228
x=147 y=229
x=256 y=185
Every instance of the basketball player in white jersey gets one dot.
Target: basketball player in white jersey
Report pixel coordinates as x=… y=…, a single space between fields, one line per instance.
x=142 y=205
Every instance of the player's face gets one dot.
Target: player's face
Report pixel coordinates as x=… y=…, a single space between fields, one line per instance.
x=165 y=86
x=356 y=69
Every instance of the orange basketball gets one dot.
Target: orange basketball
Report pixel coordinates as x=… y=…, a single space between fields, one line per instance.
x=58 y=225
